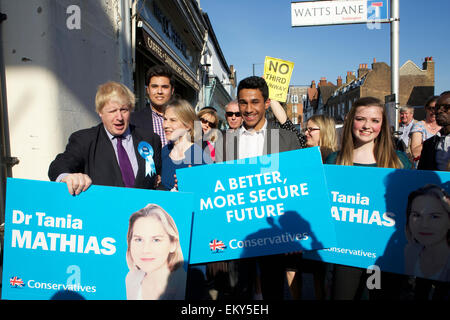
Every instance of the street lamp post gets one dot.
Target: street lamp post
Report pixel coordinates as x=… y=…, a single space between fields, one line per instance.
x=254 y=64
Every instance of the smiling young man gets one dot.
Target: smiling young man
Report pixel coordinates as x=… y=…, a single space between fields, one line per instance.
x=256 y=137
x=109 y=153
x=160 y=89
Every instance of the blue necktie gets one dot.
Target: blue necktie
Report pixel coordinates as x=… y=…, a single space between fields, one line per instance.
x=125 y=164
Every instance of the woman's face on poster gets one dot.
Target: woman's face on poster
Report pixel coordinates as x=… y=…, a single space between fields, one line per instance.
x=429 y=221
x=150 y=244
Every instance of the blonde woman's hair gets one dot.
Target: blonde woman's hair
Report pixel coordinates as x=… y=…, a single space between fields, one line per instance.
x=175 y=259
x=384 y=151
x=213 y=134
x=185 y=113
x=111 y=91
x=327 y=135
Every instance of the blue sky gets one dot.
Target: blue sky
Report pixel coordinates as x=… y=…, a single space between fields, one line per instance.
x=250 y=30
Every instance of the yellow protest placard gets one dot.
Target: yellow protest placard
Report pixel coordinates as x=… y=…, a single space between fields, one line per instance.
x=278 y=73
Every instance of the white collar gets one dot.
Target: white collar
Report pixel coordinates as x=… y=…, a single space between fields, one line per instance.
x=243 y=130
x=126 y=135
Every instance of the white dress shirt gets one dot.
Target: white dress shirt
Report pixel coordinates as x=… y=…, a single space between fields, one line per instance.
x=251 y=142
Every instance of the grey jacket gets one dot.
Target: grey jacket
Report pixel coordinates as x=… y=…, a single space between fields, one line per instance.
x=275 y=140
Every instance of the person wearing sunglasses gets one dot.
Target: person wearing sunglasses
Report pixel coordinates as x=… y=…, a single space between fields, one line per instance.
x=435 y=153
x=423 y=130
x=209 y=122
x=233 y=115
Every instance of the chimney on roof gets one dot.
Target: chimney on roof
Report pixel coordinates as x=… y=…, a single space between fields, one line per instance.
x=427 y=63
x=350 y=77
x=428 y=66
x=339 y=81
x=313 y=84
x=373 y=63
x=362 y=69
x=323 y=81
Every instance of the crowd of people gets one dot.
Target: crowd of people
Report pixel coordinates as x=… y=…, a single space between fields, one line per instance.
x=144 y=148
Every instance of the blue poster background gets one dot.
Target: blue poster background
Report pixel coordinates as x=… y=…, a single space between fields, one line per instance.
x=104 y=212
x=221 y=231
x=377 y=241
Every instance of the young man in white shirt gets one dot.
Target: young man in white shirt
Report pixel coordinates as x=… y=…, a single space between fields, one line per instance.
x=256 y=137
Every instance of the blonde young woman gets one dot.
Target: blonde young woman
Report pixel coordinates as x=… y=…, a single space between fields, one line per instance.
x=180 y=151
x=154 y=257
x=320 y=132
x=366 y=141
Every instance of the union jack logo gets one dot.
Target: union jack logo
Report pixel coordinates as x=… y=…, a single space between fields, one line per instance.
x=217 y=246
x=16 y=282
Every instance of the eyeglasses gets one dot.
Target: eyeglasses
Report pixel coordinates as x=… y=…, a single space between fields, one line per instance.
x=230 y=114
x=310 y=129
x=439 y=106
x=210 y=124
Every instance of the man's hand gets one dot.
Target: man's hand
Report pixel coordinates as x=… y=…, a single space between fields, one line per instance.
x=77 y=182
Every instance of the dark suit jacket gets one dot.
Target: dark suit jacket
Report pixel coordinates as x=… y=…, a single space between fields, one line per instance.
x=276 y=140
x=143 y=118
x=90 y=151
x=428 y=155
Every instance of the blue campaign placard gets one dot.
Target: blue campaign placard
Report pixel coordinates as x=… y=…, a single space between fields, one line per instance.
x=369 y=212
x=259 y=206
x=59 y=246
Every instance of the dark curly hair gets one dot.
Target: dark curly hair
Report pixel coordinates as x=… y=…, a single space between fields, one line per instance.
x=254 y=82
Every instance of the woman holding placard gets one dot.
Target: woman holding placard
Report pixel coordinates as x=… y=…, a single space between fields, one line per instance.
x=366 y=141
x=366 y=138
x=180 y=151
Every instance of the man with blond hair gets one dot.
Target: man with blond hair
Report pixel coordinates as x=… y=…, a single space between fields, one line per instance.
x=113 y=153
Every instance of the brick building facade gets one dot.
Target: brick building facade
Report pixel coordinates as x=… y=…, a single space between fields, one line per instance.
x=415 y=86
x=295 y=103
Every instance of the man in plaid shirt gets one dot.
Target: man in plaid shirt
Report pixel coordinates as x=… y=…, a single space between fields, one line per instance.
x=160 y=88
